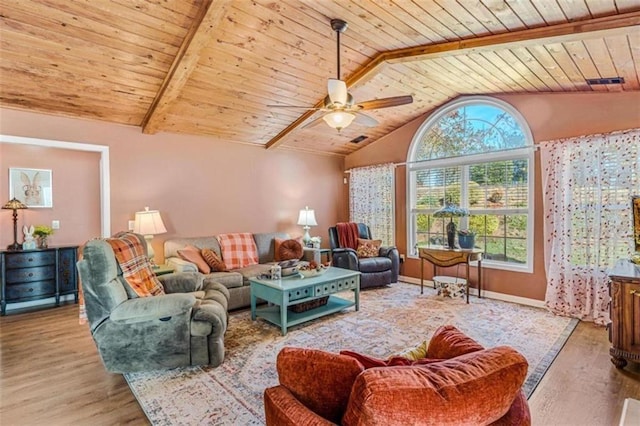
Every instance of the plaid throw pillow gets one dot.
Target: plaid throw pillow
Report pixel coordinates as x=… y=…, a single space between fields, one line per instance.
x=135 y=265
x=238 y=250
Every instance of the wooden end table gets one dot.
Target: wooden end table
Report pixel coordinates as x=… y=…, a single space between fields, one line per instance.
x=443 y=257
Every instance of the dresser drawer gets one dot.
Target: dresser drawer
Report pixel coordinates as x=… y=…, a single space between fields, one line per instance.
x=32 y=289
x=39 y=273
x=29 y=259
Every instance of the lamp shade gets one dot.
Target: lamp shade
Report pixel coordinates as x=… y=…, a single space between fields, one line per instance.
x=339 y=119
x=149 y=222
x=14 y=204
x=307 y=217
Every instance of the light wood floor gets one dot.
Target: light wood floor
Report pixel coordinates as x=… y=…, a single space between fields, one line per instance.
x=50 y=374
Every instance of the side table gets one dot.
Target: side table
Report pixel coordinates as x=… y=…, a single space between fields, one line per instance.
x=441 y=256
x=162 y=270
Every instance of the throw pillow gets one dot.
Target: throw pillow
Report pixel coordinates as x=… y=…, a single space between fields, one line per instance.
x=192 y=254
x=238 y=250
x=213 y=260
x=290 y=249
x=320 y=380
x=449 y=342
x=393 y=361
x=368 y=248
x=136 y=268
x=416 y=353
x=277 y=244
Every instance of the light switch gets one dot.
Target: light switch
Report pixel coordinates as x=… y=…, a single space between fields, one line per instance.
x=131 y=224
x=55 y=224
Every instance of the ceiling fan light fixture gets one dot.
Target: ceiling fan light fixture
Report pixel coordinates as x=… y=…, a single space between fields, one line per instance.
x=339 y=119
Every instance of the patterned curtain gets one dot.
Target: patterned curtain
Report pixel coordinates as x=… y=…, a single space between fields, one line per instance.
x=588 y=182
x=371 y=200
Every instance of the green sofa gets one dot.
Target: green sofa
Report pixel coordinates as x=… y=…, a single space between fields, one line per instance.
x=184 y=327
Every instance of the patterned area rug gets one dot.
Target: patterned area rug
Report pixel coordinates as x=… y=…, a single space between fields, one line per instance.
x=390 y=320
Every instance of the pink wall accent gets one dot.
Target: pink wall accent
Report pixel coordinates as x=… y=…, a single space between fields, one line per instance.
x=76 y=192
x=550 y=116
x=201 y=187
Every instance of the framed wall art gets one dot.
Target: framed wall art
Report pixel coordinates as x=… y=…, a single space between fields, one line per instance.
x=33 y=187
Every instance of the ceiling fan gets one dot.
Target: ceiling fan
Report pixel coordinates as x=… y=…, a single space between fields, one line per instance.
x=339 y=106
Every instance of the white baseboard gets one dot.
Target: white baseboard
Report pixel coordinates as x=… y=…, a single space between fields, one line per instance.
x=488 y=294
x=42 y=302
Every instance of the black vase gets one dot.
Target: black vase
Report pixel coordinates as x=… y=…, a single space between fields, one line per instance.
x=451 y=234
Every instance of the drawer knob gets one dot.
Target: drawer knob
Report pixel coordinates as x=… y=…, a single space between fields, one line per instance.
x=30 y=274
x=30 y=259
x=31 y=289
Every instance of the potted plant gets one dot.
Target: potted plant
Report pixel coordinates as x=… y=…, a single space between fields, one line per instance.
x=451 y=210
x=42 y=232
x=466 y=238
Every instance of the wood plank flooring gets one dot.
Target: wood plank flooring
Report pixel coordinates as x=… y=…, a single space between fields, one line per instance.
x=51 y=374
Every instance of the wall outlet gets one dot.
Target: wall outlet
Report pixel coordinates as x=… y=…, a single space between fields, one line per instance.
x=401 y=257
x=55 y=224
x=131 y=224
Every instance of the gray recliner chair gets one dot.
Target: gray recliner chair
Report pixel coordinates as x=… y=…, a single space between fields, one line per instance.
x=374 y=271
x=184 y=327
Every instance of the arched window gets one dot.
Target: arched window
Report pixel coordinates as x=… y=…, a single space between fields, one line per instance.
x=475 y=152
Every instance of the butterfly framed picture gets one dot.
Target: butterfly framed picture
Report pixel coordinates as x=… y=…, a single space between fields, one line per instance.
x=33 y=187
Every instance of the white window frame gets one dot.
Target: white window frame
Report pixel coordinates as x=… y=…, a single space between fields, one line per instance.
x=519 y=153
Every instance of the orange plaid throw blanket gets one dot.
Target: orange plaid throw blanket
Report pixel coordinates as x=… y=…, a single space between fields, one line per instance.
x=136 y=268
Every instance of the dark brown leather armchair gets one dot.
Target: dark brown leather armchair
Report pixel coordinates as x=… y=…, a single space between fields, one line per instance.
x=376 y=271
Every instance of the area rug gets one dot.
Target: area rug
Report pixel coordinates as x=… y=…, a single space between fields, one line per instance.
x=389 y=320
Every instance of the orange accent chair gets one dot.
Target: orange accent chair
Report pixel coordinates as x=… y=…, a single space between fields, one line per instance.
x=458 y=382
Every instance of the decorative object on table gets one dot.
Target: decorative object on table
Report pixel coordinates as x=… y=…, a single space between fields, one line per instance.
x=307 y=219
x=31 y=186
x=276 y=272
x=15 y=205
x=43 y=232
x=149 y=223
x=466 y=239
x=451 y=210
x=315 y=242
x=29 y=242
x=311 y=269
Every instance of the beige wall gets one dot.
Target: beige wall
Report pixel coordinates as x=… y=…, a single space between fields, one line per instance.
x=200 y=187
x=550 y=116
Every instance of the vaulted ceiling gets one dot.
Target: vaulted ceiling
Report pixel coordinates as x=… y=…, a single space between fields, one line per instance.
x=213 y=68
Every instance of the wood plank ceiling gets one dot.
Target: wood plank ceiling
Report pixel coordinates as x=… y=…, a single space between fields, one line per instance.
x=212 y=68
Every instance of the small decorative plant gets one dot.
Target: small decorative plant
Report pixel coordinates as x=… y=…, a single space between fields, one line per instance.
x=315 y=242
x=42 y=231
x=466 y=233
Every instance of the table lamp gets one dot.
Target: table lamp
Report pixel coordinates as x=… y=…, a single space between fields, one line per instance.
x=149 y=223
x=15 y=205
x=307 y=219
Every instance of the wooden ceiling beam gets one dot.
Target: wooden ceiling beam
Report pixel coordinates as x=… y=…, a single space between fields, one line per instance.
x=206 y=21
x=571 y=31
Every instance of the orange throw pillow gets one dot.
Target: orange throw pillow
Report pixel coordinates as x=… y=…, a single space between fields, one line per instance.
x=449 y=342
x=192 y=254
x=213 y=260
x=368 y=248
x=277 y=248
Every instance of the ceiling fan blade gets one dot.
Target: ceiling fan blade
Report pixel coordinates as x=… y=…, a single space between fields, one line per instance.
x=292 y=106
x=385 y=102
x=365 y=120
x=337 y=90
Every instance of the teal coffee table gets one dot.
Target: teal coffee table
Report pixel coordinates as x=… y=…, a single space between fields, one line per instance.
x=294 y=290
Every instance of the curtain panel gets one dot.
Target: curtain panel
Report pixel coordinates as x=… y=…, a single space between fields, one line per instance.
x=588 y=182
x=372 y=200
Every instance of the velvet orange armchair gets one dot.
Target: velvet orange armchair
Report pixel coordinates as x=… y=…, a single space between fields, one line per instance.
x=458 y=383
